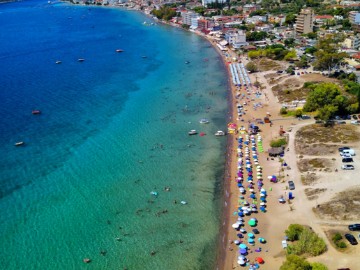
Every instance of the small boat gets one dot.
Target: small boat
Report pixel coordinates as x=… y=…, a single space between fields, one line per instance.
x=192 y=132
x=204 y=121
x=86 y=260
x=36 y=112
x=219 y=133
x=143 y=56
x=58 y=62
x=119 y=50
x=19 y=143
x=81 y=60
x=154 y=193
x=183 y=202
x=187 y=62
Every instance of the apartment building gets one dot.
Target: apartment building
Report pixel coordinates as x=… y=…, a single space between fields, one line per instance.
x=304 y=21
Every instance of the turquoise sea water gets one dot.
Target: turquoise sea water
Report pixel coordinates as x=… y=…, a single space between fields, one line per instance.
x=112 y=129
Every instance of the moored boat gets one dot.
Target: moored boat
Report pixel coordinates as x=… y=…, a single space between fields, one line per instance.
x=219 y=133
x=58 y=62
x=36 y=112
x=119 y=50
x=81 y=60
x=204 y=121
x=192 y=132
x=19 y=143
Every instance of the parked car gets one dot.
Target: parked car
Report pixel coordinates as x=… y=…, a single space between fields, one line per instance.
x=291 y=185
x=351 y=239
x=347 y=160
x=347 y=167
x=343 y=148
x=304 y=117
x=354 y=227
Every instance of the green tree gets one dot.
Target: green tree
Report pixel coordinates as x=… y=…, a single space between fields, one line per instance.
x=312 y=35
x=310 y=50
x=322 y=95
x=289 y=42
x=318 y=266
x=327 y=112
x=200 y=10
x=293 y=232
x=290 y=19
x=251 y=67
x=327 y=55
x=291 y=55
x=294 y=262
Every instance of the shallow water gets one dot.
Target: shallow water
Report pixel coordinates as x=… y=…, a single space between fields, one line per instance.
x=112 y=129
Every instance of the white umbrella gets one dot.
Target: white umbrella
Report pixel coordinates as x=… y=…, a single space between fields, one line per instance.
x=262 y=195
x=262 y=203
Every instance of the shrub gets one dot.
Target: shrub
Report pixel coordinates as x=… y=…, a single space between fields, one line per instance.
x=283 y=111
x=308 y=243
x=293 y=232
x=337 y=237
x=318 y=266
x=298 y=112
x=278 y=143
x=341 y=244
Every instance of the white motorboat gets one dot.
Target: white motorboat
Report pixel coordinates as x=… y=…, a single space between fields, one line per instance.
x=204 y=121
x=192 y=132
x=220 y=133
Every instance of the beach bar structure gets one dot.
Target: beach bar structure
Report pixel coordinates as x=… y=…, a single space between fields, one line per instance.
x=276 y=151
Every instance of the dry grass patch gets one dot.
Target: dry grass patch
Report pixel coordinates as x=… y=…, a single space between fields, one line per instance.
x=289 y=90
x=315 y=164
x=265 y=64
x=344 y=206
x=313 y=193
x=319 y=134
x=315 y=149
x=309 y=179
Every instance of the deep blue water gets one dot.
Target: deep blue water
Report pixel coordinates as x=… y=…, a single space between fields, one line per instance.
x=112 y=129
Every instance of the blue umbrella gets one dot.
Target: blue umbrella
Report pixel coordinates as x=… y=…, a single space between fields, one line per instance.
x=262 y=209
x=240 y=214
x=239 y=185
x=252 y=196
x=263 y=199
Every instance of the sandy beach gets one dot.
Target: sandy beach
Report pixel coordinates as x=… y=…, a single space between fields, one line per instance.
x=273 y=223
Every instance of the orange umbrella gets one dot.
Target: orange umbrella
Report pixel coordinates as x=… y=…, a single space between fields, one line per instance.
x=259 y=260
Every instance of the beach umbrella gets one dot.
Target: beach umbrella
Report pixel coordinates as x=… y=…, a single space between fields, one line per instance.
x=235 y=225
x=241 y=262
x=259 y=260
x=263 y=199
x=242 y=230
x=237 y=242
x=251 y=235
x=252 y=223
x=262 y=240
x=243 y=246
x=262 y=209
x=240 y=214
x=262 y=195
x=252 y=196
x=242 y=251
x=262 y=203
x=251 y=241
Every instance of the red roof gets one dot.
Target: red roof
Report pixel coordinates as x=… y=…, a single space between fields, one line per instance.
x=324 y=17
x=357 y=56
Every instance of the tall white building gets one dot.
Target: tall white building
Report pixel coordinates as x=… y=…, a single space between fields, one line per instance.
x=187 y=16
x=236 y=38
x=206 y=2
